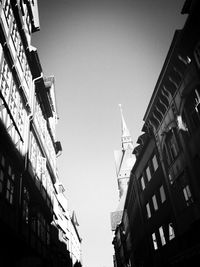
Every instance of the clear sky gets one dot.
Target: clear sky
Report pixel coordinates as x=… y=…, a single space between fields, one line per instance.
x=101 y=53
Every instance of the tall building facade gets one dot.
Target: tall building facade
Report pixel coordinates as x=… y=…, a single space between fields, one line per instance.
x=28 y=145
x=161 y=217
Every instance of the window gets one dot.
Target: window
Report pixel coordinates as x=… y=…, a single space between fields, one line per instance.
x=162 y=236
x=1 y=180
x=27 y=73
x=34 y=224
x=192 y=110
x=171 y=147
x=43 y=229
x=21 y=55
x=2 y=161
x=15 y=35
x=28 y=22
x=20 y=117
x=40 y=225
x=187 y=195
x=7 y=10
x=162 y=194
x=10 y=185
x=155 y=163
x=39 y=165
x=148 y=173
x=148 y=210
x=33 y=151
x=155 y=244
x=197 y=54
x=13 y=101
x=36 y=157
x=171 y=232
x=48 y=234
x=5 y=81
x=142 y=183
x=26 y=200
x=155 y=204
x=2 y=164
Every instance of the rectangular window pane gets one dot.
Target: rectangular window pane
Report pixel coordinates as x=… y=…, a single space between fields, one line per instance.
x=148 y=210
x=3 y=161
x=148 y=173
x=155 y=163
x=155 y=204
x=1 y=180
x=162 y=194
x=188 y=191
x=162 y=237
x=171 y=232
x=174 y=150
x=155 y=244
x=142 y=183
x=173 y=146
x=10 y=185
x=187 y=195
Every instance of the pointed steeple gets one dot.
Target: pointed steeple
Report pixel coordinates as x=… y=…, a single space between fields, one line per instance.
x=126 y=137
x=124 y=160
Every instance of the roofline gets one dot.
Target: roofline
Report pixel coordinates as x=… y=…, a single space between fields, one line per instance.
x=162 y=73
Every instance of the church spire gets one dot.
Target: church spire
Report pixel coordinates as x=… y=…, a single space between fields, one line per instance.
x=124 y=160
x=126 y=137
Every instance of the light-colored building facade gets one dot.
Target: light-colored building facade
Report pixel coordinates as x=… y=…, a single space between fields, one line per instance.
x=28 y=147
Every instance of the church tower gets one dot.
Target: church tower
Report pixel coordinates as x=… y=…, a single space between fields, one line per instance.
x=124 y=160
x=126 y=137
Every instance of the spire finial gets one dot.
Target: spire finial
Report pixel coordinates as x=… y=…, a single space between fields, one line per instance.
x=126 y=137
x=125 y=131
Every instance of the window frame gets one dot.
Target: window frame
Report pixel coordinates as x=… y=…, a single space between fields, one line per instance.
x=162 y=236
x=148 y=210
x=10 y=185
x=171 y=147
x=171 y=232
x=155 y=241
x=155 y=164
x=155 y=202
x=26 y=205
x=187 y=195
x=142 y=183
x=148 y=173
x=162 y=194
x=192 y=110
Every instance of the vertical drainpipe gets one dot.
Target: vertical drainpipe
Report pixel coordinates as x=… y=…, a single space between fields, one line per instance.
x=30 y=117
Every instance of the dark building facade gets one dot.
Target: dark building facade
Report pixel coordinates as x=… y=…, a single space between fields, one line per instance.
x=28 y=145
x=161 y=219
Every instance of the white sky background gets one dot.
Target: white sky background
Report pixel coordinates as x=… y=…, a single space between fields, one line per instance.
x=102 y=53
